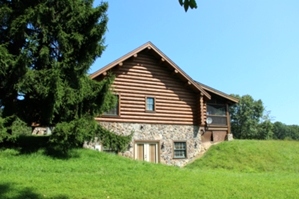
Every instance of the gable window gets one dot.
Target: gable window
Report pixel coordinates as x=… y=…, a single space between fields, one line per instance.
x=179 y=150
x=150 y=103
x=216 y=113
x=115 y=110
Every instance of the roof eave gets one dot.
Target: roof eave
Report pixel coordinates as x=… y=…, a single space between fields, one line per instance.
x=219 y=93
x=119 y=60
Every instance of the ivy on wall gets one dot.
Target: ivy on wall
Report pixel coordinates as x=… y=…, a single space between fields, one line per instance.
x=113 y=141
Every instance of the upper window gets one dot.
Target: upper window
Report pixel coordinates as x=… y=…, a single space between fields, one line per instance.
x=115 y=110
x=180 y=150
x=150 y=103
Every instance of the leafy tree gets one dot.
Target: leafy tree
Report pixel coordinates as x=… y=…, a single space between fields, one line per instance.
x=294 y=131
x=265 y=129
x=247 y=119
x=46 y=49
x=282 y=131
x=188 y=4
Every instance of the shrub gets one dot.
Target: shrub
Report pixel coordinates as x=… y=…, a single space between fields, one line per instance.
x=67 y=136
x=71 y=135
x=3 y=130
x=12 y=132
x=113 y=141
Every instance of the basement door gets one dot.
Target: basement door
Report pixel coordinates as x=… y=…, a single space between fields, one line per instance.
x=146 y=151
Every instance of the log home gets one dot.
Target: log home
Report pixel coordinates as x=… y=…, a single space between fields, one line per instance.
x=169 y=113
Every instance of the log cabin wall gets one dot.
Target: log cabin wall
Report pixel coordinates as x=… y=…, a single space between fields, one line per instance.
x=147 y=76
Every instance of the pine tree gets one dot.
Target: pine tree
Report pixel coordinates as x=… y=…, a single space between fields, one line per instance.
x=46 y=50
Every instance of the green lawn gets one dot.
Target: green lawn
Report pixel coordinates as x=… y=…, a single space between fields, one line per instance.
x=237 y=169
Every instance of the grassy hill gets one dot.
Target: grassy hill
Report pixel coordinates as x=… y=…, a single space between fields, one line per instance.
x=237 y=169
x=251 y=156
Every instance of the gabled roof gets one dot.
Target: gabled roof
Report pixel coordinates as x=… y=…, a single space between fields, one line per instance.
x=217 y=92
x=152 y=47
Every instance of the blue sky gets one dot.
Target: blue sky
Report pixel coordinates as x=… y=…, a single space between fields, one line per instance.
x=236 y=46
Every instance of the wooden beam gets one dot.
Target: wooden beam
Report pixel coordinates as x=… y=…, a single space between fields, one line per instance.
x=136 y=88
x=220 y=128
x=161 y=61
x=134 y=56
x=148 y=49
x=202 y=110
x=119 y=65
x=105 y=73
x=228 y=119
x=150 y=121
x=175 y=72
x=155 y=116
x=188 y=83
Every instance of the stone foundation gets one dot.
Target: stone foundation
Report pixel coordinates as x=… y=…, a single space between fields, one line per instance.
x=165 y=135
x=230 y=137
x=42 y=130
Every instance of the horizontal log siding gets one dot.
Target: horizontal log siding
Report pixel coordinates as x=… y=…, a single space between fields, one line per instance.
x=143 y=77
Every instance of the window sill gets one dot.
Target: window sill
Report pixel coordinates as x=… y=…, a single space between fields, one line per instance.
x=176 y=158
x=150 y=111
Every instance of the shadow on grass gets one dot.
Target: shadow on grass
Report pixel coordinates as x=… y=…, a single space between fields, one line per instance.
x=8 y=191
x=33 y=144
x=59 y=154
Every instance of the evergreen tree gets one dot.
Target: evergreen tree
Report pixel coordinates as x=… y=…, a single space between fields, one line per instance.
x=46 y=49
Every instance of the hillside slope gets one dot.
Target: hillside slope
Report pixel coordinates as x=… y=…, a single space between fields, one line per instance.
x=237 y=169
x=251 y=156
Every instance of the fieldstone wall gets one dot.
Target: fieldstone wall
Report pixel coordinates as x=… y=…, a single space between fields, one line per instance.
x=42 y=130
x=230 y=137
x=164 y=134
